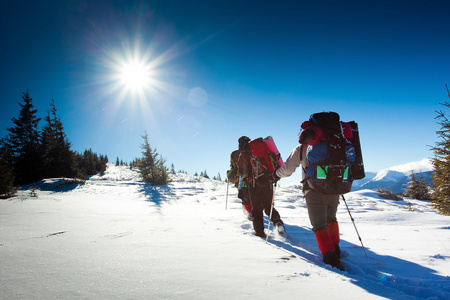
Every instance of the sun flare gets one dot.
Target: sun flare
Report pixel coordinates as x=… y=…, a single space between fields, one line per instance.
x=135 y=75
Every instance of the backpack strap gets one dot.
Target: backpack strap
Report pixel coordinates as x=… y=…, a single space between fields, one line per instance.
x=301 y=152
x=303 y=182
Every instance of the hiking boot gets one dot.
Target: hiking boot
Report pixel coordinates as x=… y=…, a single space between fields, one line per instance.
x=260 y=234
x=330 y=258
x=279 y=226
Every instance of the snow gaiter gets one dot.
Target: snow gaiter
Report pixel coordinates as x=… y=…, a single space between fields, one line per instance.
x=333 y=231
x=248 y=207
x=324 y=241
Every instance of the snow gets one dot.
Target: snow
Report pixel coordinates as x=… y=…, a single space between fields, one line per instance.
x=424 y=165
x=388 y=175
x=398 y=172
x=116 y=237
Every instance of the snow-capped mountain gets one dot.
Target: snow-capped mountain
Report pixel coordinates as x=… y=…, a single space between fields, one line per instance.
x=395 y=178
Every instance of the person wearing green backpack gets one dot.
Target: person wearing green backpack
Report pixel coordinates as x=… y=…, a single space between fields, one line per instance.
x=321 y=188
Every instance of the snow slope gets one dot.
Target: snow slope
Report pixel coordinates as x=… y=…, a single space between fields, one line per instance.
x=118 y=238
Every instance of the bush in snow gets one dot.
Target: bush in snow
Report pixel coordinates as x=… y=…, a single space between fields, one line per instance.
x=388 y=194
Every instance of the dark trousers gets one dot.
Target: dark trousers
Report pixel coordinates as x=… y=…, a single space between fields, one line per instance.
x=322 y=209
x=261 y=200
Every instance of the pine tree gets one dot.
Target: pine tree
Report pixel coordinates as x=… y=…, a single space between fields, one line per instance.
x=441 y=164
x=152 y=168
x=24 y=143
x=7 y=188
x=417 y=188
x=91 y=164
x=100 y=163
x=58 y=159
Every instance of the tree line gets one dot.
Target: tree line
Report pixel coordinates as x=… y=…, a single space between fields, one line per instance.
x=29 y=153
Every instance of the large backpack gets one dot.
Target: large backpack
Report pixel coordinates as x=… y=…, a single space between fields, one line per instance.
x=233 y=173
x=334 y=153
x=265 y=158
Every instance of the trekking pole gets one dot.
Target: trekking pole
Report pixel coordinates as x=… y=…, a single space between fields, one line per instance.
x=226 y=201
x=271 y=209
x=353 y=221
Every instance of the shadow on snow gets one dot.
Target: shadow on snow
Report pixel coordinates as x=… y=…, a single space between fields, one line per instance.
x=368 y=273
x=57 y=185
x=157 y=194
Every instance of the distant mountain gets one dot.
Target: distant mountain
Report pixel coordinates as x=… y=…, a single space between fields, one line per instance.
x=394 y=178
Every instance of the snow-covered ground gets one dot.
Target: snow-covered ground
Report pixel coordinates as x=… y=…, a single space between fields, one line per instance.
x=118 y=238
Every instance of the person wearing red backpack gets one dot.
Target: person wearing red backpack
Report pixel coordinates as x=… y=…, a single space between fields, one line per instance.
x=260 y=192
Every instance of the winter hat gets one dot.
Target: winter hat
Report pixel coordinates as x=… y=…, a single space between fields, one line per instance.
x=243 y=142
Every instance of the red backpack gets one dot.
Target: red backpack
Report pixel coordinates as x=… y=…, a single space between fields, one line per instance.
x=265 y=157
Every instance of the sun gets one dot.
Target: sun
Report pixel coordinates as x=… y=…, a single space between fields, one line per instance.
x=135 y=75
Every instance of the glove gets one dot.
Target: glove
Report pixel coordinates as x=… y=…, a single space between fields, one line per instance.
x=242 y=183
x=275 y=177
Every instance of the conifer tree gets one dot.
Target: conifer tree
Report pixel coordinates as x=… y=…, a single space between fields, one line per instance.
x=91 y=164
x=58 y=159
x=441 y=163
x=417 y=188
x=23 y=140
x=7 y=188
x=151 y=166
x=100 y=163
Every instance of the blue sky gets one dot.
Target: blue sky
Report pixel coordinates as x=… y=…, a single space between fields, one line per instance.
x=222 y=69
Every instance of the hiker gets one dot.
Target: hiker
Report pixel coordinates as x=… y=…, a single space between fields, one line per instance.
x=322 y=205
x=233 y=176
x=260 y=192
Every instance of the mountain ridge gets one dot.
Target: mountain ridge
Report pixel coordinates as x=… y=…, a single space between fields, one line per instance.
x=395 y=178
